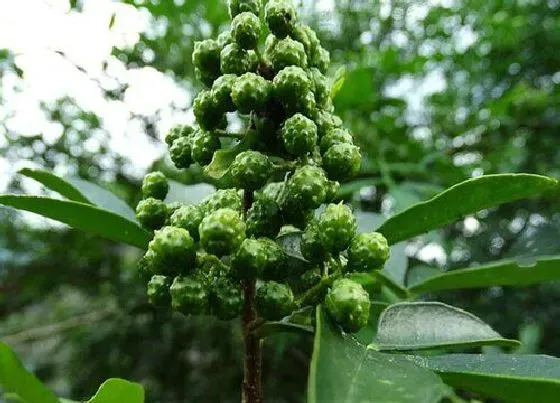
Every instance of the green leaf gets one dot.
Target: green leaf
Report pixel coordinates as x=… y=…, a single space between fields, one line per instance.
x=223 y=158
x=188 y=194
x=82 y=216
x=511 y=273
x=338 y=81
x=343 y=370
x=512 y=378
x=426 y=325
x=291 y=243
x=79 y=190
x=397 y=264
x=459 y=200
x=420 y=273
x=116 y=390
x=15 y=379
x=300 y=321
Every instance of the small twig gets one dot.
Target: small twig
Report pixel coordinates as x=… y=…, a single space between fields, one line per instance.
x=316 y=290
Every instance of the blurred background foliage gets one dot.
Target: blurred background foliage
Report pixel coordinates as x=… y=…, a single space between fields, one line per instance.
x=435 y=92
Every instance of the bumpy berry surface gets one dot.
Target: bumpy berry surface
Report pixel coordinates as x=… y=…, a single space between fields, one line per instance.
x=158 y=290
x=177 y=131
x=189 y=295
x=274 y=300
x=306 y=189
x=321 y=59
x=314 y=246
x=206 y=110
x=342 y=161
x=319 y=86
x=334 y=136
x=337 y=225
x=224 y=39
x=235 y=60
x=263 y=218
x=188 y=217
x=291 y=85
x=299 y=135
x=181 y=152
x=239 y=6
x=326 y=121
x=206 y=57
x=249 y=260
x=280 y=17
x=204 y=144
x=368 y=251
x=155 y=185
x=348 y=303
x=226 y=299
x=332 y=190
x=245 y=30
x=222 y=232
x=221 y=91
x=223 y=198
x=145 y=267
x=276 y=264
x=287 y=52
x=270 y=191
x=250 y=170
x=173 y=250
x=151 y=213
x=250 y=92
x=299 y=33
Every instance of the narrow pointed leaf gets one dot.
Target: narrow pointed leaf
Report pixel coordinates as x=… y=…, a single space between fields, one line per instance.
x=15 y=379
x=464 y=198
x=82 y=191
x=82 y=216
x=426 y=325
x=116 y=390
x=506 y=377
x=509 y=273
x=345 y=371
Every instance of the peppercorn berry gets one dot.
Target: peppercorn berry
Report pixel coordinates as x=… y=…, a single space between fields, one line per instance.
x=337 y=226
x=226 y=299
x=245 y=30
x=158 y=290
x=188 y=217
x=189 y=295
x=342 y=161
x=368 y=251
x=151 y=213
x=173 y=250
x=204 y=144
x=222 y=232
x=181 y=152
x=299 y=135
x=250 y=92
x=249 y=260
x=348 y=303
x=250 y=170
x=280 y=17
x=274 y=300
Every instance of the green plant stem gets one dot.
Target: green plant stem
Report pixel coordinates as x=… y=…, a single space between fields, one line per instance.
x=252 y=384
x=317 y=289
x=223 y=133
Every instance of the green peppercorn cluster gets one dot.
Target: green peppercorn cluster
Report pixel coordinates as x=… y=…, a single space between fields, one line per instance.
x=284 y=166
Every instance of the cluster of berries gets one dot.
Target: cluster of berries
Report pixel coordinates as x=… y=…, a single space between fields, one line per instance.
x=200 y=253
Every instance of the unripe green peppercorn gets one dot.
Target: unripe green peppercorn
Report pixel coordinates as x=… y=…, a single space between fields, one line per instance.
x=189 y=296
x=223 y=198
x=287 y=52
x=181 y=152
x=239 y=6
x=188 y=217
x=250 y=170
x=299 y=33
x=337 y=225
x=348 y=303
x=250 y=92
x=222 y=232
x=155 y=185
x=276 y=264
x=208 y=114
x=342 y=161
x=321 y=59
x=290 y=85
x=270 y=191
x=177 y=131
x=326 y=121
x=332 y=190
x=224 y=38
x=173 y=250
x=145 y=267
x=226 y=299
x=263 y=218
x=249 y=260
x=318 y=86
x=171 y=208
x=246 y=29
x=299 y=135
x=206 y=57
x=204 y=144
x=158 y=290
x=368 y=251
x=280 y=17
x=151 y=213
x=314 y=246
x=274 y=300
x=234 y=60
x=335 y=136
x=221 y=91
x=305 y=189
